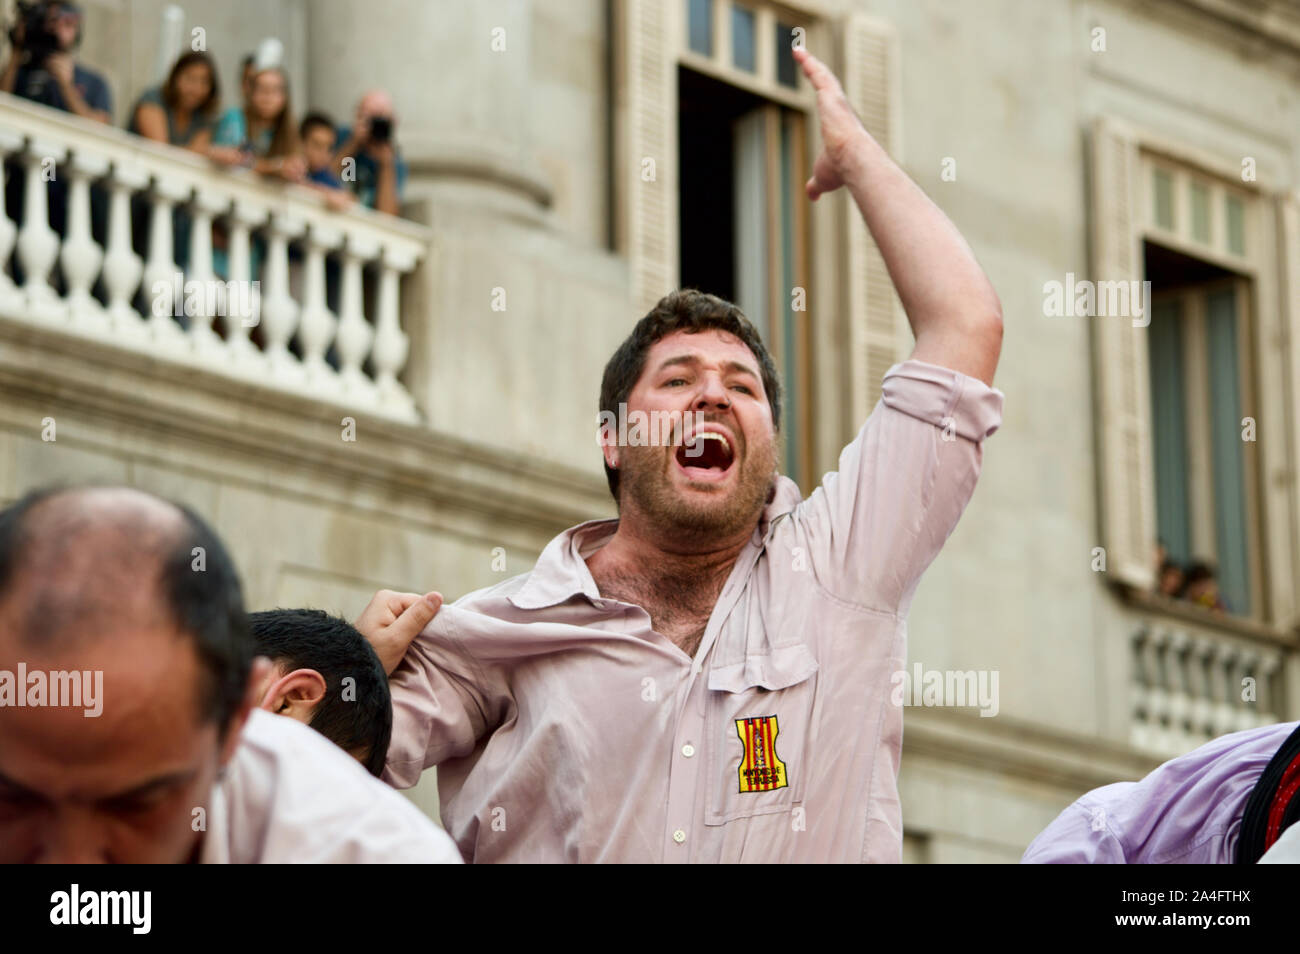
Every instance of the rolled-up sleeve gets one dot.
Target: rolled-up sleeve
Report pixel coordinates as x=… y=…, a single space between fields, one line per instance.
x=444 y=701
x=877 y=523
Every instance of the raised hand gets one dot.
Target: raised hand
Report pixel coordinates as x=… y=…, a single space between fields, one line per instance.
x=843 y=135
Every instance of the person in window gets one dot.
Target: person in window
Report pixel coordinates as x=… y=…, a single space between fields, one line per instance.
x=261 y=134
x=367 y=158
x=43 y=67
x=1170 y=580
x=183 y=110
x=1202 y=588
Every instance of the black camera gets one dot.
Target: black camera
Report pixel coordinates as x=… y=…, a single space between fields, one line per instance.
x=381 y=128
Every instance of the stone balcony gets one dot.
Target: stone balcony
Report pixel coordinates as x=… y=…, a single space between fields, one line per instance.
x=1196 y=676
x=272 y=325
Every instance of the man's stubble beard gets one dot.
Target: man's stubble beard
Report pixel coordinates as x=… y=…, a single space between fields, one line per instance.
x=644 y=486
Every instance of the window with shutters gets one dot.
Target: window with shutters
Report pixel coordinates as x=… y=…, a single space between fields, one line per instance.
x=1196 y=433
x=1204 y=409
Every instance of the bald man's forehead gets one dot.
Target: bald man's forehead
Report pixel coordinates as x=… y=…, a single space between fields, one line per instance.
x=108 y=506
x=87 y=557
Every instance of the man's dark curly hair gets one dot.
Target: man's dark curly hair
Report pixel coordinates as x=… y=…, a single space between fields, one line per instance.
x=691 y=311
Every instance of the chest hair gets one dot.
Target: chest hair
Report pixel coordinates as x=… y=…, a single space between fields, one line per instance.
x=679 y=604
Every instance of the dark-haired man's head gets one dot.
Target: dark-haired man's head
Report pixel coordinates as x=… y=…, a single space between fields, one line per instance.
x=694 y=359
x=113 y=591
x=325 y=674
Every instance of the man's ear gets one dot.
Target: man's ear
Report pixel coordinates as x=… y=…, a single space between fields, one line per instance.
x=295 y=694
x=258 y=674
x=607 y=437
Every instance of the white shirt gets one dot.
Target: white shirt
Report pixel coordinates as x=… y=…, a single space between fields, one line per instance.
x=289 y=795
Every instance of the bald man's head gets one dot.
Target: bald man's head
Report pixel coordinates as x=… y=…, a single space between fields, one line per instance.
x=74 y=560
x=375 y=102
x=116 y=589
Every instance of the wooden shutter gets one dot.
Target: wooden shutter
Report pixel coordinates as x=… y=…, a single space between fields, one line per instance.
x=874 y=314
x=647 y=84
x=1121 y=374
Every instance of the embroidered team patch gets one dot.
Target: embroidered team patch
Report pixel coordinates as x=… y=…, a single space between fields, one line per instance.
x=760 y=769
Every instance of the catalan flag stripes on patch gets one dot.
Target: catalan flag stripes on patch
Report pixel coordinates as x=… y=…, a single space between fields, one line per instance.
x=760 y=769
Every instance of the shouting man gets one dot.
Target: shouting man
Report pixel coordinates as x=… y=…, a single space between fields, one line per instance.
x=707 y=678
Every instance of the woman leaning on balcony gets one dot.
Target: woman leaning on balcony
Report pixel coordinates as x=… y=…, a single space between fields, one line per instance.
x=261 y=134
x=183 y=110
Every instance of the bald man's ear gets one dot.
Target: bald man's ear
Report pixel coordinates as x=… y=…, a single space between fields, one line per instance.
x=295 y=694
x=258 y=676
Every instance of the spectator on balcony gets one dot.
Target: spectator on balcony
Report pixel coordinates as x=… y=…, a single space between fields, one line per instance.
x=42 y=66
x=316 y=133
x=261 y=134
x=183 y=110
x=367 y=158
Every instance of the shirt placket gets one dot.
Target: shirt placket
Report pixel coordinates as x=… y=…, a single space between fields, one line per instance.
x=684 y=819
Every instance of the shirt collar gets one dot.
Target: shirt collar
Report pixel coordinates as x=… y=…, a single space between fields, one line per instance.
x=561 y=571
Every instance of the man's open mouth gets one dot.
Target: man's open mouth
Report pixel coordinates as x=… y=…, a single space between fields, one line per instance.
x=707 y=455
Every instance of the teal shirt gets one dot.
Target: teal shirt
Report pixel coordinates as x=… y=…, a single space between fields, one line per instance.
x=232 y=130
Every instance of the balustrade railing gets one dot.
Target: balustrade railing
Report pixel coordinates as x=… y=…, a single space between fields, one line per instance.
x=301 y=297
x=1193 y=682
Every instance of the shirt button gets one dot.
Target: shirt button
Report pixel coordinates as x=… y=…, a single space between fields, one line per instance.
x=688 y=750
x=679 y=836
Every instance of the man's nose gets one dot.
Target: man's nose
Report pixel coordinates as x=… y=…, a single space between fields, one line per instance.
x=712 y=393
x=73 y=837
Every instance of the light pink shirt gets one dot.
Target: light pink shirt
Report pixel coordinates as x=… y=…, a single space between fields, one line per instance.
x=565 y=728
x=290 y=795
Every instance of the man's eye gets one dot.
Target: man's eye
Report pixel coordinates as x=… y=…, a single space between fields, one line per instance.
x=741 y=387
x=675 y=381
x=16 y=798
x=135 y=804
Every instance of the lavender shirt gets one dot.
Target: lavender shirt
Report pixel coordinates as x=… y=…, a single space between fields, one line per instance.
x=566 y=728
x=1187 y=811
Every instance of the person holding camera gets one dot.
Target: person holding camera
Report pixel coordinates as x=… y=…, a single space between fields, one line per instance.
x=42 y=66
x=367 y=160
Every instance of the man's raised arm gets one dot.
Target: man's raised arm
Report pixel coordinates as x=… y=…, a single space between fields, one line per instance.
x=953 y=310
